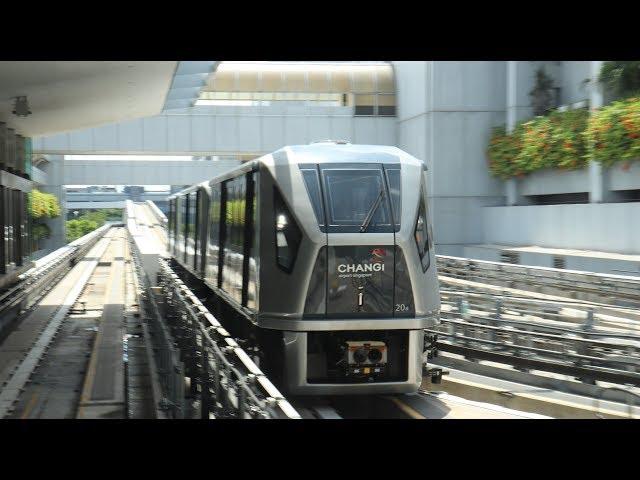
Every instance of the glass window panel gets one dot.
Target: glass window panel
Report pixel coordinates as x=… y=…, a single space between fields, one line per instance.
x=247 y=81
x=271 y=81
x=352 y=193
x=318 y=81
x=364 y=80
x=365 y=100
x=295 y=81
x=312 y=183
x=340 y=81
x=393 y=179
x=386 y=100
x=385 y=79
x=222 y=81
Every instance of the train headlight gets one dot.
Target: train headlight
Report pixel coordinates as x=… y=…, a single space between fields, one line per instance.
x=375 y=355
x=360 y=355
x=281 y=223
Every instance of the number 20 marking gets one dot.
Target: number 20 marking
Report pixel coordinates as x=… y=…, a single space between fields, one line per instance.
x=401 y=307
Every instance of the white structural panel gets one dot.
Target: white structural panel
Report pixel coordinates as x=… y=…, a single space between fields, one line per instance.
x=142 y=172
x=446 y=111
x=94 y=205
x=607 y=227
x=223 y=131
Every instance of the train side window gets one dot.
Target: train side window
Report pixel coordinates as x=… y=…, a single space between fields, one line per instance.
x=421 y=234
x=312 y=182
x=214 y=234
x=3 y=233
x=172 y=219
x=288 y=234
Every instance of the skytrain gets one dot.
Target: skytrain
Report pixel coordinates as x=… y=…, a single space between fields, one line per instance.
x=323 y=255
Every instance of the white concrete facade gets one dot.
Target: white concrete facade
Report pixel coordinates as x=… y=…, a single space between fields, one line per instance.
x=223 y=131
x=143 y=172
x=445 y=113
x=607 y=227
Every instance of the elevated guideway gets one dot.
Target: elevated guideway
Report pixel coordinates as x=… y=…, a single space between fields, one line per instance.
x=145 y=217
x=508 y=352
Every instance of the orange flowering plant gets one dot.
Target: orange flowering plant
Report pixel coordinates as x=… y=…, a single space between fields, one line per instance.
x=552 y=141
x=503 y=149
x=613 y=132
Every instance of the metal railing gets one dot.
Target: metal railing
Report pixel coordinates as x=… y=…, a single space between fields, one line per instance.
x=36 y=282
x=189 y=342
x=617 y=290
x=522 y=341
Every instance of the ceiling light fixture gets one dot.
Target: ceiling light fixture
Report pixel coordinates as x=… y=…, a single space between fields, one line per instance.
x=21 y=107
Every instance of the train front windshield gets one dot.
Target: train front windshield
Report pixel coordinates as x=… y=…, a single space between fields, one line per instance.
x=355 y=199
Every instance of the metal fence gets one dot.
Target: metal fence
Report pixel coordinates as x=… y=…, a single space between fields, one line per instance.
x=617 y=290
x=202 y=370
x=531 y=339
x=36 y=282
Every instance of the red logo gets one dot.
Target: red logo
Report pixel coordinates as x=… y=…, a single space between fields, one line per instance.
x=378 y=255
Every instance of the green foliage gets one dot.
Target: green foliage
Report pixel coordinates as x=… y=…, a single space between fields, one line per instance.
x=43 y=205
x=503 y=149
x=39 y=231
x=613 y=132
x=79 y=228
x=553 y=141
x=89 y=221
x=623 y=78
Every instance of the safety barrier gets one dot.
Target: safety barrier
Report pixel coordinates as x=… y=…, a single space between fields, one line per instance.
x=526 y=340
x=611 y=289
x=34 y=283
x=189 y=342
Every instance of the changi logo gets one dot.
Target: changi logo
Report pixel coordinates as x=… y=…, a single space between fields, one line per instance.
x=360 y=268
x=378 y=254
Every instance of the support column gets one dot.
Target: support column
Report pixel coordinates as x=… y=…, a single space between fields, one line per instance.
x=511 y=185
x=597 y=176
x=54 y=170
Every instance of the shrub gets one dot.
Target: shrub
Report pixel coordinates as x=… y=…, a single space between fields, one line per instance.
x=39 y=231
x=503 y=149
x=79 y=228
x=43 y=205
x=613 y=132
x=552 y=141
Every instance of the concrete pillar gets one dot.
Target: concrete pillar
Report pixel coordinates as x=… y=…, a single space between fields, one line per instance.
x=54 y=170
x=511 y=185
x=597 y=176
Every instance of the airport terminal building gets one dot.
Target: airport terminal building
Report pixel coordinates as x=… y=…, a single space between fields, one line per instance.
x=441 y=112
